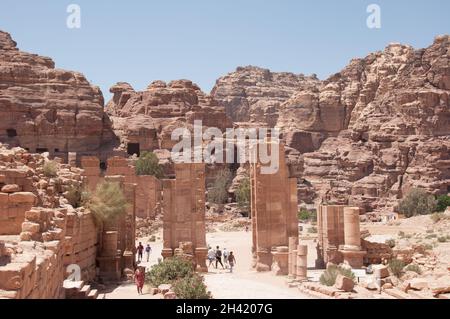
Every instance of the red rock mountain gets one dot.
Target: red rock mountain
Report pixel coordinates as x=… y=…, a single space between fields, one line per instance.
x=47 y=109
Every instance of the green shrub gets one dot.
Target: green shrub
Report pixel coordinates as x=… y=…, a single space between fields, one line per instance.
x=305 y=215
x=391 y=243
x=191 y=287
x=417 y=202
x=218 y=193
x=108 y=202
x=148 y=164
x=77 y=196
x=168 y=271
x=401 y=234
x=243 y=194
x=414 y=268
x=312 y=230
x=50 y=169
x=152 y=238
x=396 y=266
x=430 y=236
x=328 y=278
x=443 y=201
x=442 y=239
x=428 y=247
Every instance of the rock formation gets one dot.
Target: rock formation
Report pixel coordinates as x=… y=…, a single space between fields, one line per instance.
x=145 y=120
x=44 y=109
x=253 y=94
x=387 y=120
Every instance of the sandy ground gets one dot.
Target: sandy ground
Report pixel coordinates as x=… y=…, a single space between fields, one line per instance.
x=243 y=283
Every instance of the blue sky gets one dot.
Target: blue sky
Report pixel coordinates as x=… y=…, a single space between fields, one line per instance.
x=139 y=41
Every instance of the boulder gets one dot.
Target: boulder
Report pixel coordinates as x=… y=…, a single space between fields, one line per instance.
x=344 y=283
x=164 y=288
x=11 y=188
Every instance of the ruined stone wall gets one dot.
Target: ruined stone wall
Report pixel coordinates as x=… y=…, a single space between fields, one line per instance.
x=273 y=210
x=330 y=224
x=35 y=263
x=184 y=212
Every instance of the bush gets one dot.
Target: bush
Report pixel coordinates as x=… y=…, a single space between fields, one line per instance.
x=168 y=271
x=417 y=202
x=396 y=266
x=77 y=196
x=191 y=287
x=328 y=278
x=152 y=238
x=414 y=268
x=148 y=164
x=428 y=247
x=108 y=202
x=391 y=243
x=436 y=217
x=305 y=215
x=401 y=234
x=243 y=194
x=312 y=230
x=443 y=201
x=218 y=193
x=430 y=236
x=50 y=169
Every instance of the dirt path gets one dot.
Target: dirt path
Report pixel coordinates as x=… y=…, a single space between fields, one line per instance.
x=243 y=283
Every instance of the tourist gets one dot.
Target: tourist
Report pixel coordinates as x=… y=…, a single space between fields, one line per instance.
x=211 y=256
x=219 y=257
x=231 y=261
x=139 y=278
x=225 y=257
x=140 y=250
x=148 y=251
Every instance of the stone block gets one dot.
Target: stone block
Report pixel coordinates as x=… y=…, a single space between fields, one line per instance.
x=344 y=283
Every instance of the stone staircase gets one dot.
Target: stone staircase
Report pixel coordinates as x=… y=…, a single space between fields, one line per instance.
x=78 y=290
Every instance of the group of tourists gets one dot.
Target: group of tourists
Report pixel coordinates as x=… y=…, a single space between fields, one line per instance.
x=140 y=251
x=217 y=255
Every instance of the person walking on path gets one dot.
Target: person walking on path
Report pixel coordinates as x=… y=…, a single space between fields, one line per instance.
x=219 y=257
x=148 y=251
x=140 y=250
x=231 y=261
x=225 y=257
x=139 y=279
x=211 y=256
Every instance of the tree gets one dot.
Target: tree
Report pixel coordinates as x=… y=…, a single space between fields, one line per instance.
x=107 y=203
x=243 y=194
x=218 y=193
x=148 y=164
x=417 y=202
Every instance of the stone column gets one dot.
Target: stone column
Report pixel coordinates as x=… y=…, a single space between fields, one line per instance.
x=200 y=258
x=293 y=242
x=280 y=261
x=352 y=234
x=302 y=262
x=351 y=250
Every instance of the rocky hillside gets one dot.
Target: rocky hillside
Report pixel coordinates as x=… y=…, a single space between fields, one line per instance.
x=148 y=117
x=47 y=109
x=379 y=127
x=252 y=94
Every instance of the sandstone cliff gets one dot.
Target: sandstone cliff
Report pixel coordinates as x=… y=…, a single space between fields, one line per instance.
x=252 y=94
x=47 y=109
x=376 y=129
x=145 y=120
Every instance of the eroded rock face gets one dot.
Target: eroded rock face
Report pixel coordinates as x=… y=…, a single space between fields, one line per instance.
x=252 y=94
x=47 y=109
x=378 y=128
x=147 y=119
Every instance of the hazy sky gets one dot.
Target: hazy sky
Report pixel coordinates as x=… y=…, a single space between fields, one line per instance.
x=142 y=41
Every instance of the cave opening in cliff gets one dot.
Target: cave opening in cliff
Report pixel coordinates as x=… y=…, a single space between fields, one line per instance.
x=11 y=132
x=103 y=166
x=134 y=148
x=41 y=150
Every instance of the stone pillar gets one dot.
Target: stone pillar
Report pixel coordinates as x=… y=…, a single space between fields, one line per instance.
x=200 y=256
x=280 y=260
x=351 y=250
x=302 y=262
x=293 y=242
x=352 y=234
